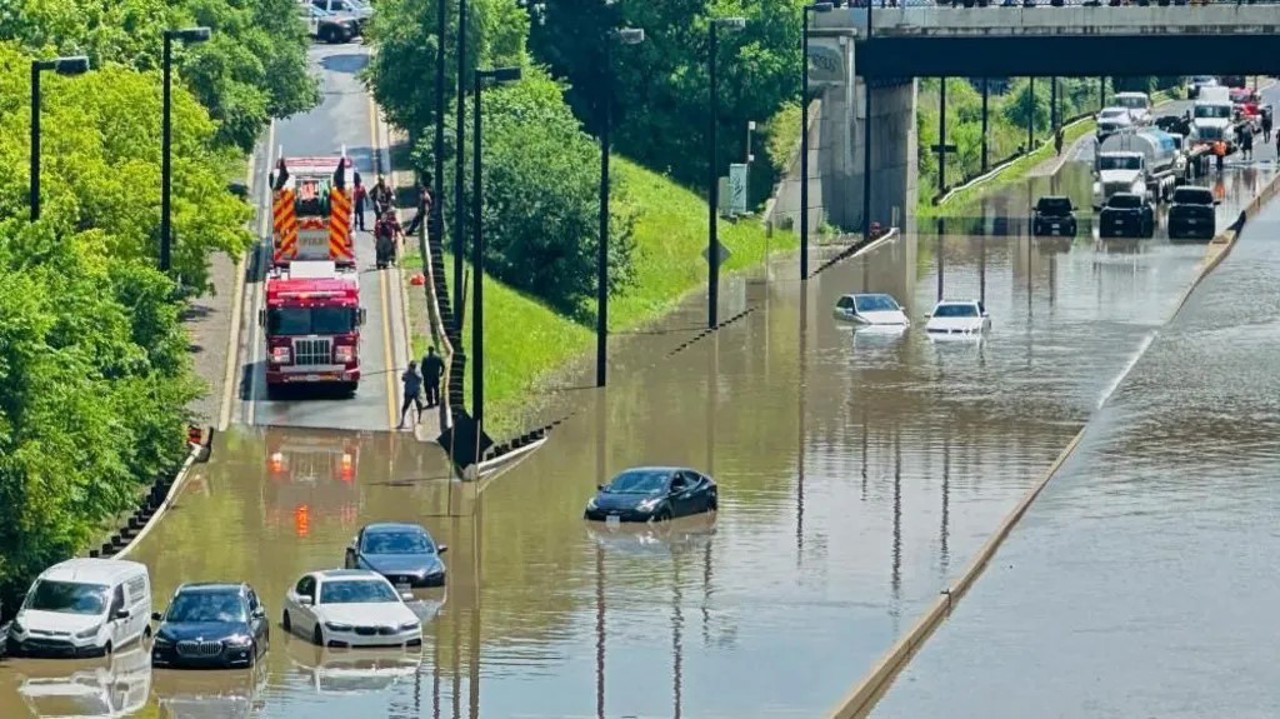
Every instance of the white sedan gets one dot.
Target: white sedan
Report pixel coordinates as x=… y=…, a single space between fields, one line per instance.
x=871 y=309
x=350 y=608
x=958 y=317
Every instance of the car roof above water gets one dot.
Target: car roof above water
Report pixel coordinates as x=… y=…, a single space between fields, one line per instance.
x=348 y=574
x=212 y=587
x=379 y=527
x=93 y=571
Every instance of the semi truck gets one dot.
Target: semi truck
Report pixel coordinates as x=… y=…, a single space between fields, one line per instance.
x=1214 y=118
x=1143 y=162
x=312 y=321
x=311 y=206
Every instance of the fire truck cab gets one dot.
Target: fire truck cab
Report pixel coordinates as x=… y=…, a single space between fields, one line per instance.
x=312 y=322
x=311 y=205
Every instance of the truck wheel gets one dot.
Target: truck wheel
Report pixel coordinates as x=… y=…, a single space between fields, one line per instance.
x=273 y=392
x=349 y=389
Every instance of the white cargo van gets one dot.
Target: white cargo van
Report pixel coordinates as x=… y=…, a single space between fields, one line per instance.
x=83 y=607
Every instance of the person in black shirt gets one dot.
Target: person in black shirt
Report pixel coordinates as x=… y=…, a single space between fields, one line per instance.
x=432 y=370
x=412 y=382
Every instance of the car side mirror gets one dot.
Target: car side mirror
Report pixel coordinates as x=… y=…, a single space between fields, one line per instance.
x=305 y=601
x=362 y=316
x=599 y=487
x=262 y=318
x=442 y=549
x=927 y=315
x=259 y=612
x=155 y=616
x=407 y=596
x=122 y=614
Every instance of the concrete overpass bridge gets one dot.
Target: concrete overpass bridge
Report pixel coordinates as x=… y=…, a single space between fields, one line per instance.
x=864 y=62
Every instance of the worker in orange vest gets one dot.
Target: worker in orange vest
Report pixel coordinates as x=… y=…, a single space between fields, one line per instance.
x=1220 y=152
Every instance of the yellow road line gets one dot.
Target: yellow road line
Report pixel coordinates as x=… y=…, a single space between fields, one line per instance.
x=259 y=293
x=387 y=355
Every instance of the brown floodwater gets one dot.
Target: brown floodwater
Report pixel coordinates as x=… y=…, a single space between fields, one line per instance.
x=858 y=471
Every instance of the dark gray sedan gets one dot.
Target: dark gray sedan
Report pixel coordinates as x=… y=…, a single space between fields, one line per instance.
x=653 y=494
x=403 y=553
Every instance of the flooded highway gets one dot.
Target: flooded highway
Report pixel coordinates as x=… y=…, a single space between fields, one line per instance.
x=857 y=471
x=1142 y=581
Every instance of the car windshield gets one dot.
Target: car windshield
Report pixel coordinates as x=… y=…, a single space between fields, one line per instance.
x=645 y=481
x=311 y=320
x=197 y=606
x=356 y=591
x=964 y=310
x=396 y=543
x=1213 y=112
x=1112 y=162
x=1125 y=202
x=1054 y=205
x=1133 y=102
x=1189 y=196
x=875 y=303
x=67 y=597
x=1114 y=114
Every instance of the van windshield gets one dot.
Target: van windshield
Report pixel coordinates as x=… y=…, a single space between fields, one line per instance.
x=68 y=597
x=1213 y=112
x=1133 y=102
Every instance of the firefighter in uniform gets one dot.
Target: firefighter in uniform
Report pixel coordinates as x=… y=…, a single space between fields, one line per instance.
x=386 y=233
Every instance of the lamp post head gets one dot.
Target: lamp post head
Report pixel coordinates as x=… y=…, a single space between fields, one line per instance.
x=629 y=35
x=189 y=35
x=500 y=75
x=72 y=65
x=819 y=7
x=729 y=23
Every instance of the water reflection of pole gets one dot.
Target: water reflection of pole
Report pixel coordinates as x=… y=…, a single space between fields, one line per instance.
x=865 y=431
x=804 y=370
x=940 y=262
x=1053 y=278
x=473 y=678
x=896 y=576
x=982 y=268
x=435 y=672
x=706 y=593
x=713 y=387
x=946 y=501
x=599 y=631
x=677 y=646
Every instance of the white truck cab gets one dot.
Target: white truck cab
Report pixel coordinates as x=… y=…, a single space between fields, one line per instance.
x=83 y=607
x=1137 y=103
x=1213 y=117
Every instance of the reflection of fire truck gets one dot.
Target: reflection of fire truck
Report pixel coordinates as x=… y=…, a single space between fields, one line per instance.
x=312 y=324
x=312 y=479
x=311 y=210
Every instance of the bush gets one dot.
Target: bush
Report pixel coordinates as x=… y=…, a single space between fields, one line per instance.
x=541 y=196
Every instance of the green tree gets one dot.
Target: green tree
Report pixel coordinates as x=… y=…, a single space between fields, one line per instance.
x=540 y=205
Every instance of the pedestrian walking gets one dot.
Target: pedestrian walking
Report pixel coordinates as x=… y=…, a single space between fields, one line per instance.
x=432 y=371
x=386 y=236
x=1219 y=153
x=381 y=196
x=1057 y=141
x=361 y=198
x=412 y=383
x=1246 y=142
x=1266 y=124
x=424 y=207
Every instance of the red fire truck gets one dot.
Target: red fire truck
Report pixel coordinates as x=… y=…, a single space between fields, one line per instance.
x=312 y=479
x=312 y=325
x=311 y=207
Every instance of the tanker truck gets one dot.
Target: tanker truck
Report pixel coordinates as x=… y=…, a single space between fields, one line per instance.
x=1143 y=162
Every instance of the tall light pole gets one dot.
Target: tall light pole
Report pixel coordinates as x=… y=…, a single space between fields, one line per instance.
x=77 y=65
x=460 y=150
x=498 y=76
x=730 y=24
x=625 y=36
x=804 y=136
x=437 y=190
x=189 y=35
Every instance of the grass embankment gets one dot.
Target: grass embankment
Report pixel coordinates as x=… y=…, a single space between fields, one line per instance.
x=526 y=342
x=961 y=202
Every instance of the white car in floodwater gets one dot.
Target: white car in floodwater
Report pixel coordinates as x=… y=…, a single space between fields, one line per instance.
x=871 y=309
x=958 y=317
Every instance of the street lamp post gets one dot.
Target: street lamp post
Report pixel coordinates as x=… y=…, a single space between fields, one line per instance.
x=804 y=137
x=187 y=35
x=625 y=36
x=76 y=65
x=437 y=190
x=730 y=24
x=459 y=161
x=498 y=76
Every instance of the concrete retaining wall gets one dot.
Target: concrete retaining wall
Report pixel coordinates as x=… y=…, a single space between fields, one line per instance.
x=1212 y=19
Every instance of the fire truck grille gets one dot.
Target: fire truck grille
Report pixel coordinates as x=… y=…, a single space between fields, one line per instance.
x=312 y=351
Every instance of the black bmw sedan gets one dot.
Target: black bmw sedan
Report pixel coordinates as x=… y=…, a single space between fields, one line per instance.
x=403 y=553
x=647 y=494
x=211 y=625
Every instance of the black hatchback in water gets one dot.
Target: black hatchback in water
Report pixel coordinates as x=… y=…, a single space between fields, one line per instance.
x=646 y=494
x=1053 y=216
x=211 y=625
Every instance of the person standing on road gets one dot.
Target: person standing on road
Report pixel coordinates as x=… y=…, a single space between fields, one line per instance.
x=424 y=206
x=361 y=196
x=432 y=370
x=381 y=196
x=1057 y=141
x=1219 y=153
x=1266 y=126
x=412 y=382
x=1246 y=142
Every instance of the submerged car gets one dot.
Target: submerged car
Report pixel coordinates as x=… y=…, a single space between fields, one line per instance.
x=871 y=309
x=403 y=553
x=1126 y=215
x=1193 y=213
x=211 y=625
x=645 y=494
x=350 y=608
x=1053 y=216
x=962 y=317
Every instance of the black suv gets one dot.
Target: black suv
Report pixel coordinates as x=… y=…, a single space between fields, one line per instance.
x=1053 y=216
x=1126 y=215
x=1193 y=214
